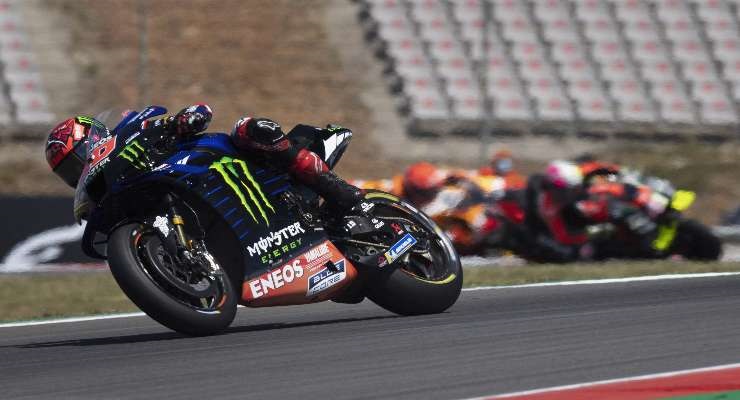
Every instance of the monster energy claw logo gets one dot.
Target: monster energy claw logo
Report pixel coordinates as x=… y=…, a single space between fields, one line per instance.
x=133 y=153
x=227 y=167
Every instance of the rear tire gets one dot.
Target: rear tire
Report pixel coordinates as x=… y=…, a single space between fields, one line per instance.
x=138 y=282
x=403 y=291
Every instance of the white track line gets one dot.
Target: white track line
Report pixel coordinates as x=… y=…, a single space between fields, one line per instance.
x=608 y=281
x=68 y=320
x=529 y=285
x=607 y=382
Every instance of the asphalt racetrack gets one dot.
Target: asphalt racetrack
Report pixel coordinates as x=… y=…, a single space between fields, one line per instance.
x=491 y=341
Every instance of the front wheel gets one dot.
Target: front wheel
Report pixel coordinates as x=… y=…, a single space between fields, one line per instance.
x=193 y=301
x=424 y=282
x=695 y=241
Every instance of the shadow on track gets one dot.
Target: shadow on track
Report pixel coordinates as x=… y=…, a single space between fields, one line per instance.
x=153 y=337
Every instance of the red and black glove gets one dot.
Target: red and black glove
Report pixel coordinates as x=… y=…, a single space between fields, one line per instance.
x=190 y=121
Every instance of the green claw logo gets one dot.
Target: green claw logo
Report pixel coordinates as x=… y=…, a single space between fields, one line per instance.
x=227 y=168
x=134 y=152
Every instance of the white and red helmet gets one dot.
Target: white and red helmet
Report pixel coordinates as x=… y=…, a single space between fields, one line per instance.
x=564 y=174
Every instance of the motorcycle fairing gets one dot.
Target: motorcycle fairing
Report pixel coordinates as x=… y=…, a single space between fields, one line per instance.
x=315 y=275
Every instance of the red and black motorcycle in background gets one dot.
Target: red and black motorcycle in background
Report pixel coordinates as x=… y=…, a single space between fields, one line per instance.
x=191 y=230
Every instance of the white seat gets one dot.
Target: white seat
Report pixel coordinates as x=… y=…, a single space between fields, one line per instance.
x=543 y=87
x=585 y=90
x=616 y=70
x=626 y=89
x=470 y=107
x=596 y=109
x=431 y=107
x=446 y=49
x=718 y=112
x=666 y=90
x=678 y=111
x=514 y=108
x=566 y=51
x=635 y=110
x=575 y=69
x=554 y=108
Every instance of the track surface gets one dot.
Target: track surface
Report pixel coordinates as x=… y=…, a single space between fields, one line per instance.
x=491 y=341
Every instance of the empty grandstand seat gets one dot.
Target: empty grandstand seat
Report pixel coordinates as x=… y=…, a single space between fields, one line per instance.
x=559 y=29
x=427 y=10
x=719 y=112
x=608 y=50
x=615 y=70
x=575 y=69
x=584 y=89
x=595 y=109
x=600 y=29
x=469 y=107
x=32 y=109
x=518 y=30
x=436 y=29
x=430 y=107
x=677 y=111
x=635 y=110
x=446 y=48
x=555 y=108
x=512 y=108
x=626 y=89
x=566 y=50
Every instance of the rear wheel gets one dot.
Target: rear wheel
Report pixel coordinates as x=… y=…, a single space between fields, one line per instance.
x=425 y=281
x=195 y=301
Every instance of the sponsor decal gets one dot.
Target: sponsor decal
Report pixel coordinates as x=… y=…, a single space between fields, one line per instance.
x=183 y=161
x=317 y=252
x=101 y=150
x=236 y=174
x=275 y=239
x=134 y=153
x=400 y=248
x=366 y=207
x=132 y=137
x=161 y=167
x=278 y=252
x=326 y=278
x=267 y=124
x=276 y=279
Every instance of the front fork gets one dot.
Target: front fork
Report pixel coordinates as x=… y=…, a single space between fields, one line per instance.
x=179 y=224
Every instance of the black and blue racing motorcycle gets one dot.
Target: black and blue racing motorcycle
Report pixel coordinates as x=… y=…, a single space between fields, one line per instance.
x=192 y=229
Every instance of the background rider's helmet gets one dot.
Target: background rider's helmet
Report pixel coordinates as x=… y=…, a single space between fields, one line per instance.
x=421 y=182
x=502 y=163
x=66 y=149
x=564 y=175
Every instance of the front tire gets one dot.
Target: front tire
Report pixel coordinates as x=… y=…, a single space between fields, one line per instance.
x=413 y=288
x=130 y=249
x=696 y=242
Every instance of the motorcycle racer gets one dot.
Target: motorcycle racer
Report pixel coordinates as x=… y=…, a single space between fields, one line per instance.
x=256 y=137
x=502 y=165
x=560 y=209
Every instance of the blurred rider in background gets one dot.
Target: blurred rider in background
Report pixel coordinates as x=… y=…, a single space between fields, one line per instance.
x=261 y=138
x=502 y=165
x=560 y=208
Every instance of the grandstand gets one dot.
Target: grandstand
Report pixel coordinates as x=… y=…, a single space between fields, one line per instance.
x=612 y=67
x=23 y=101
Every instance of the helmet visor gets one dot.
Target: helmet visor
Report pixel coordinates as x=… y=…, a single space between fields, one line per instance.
x=71 y=166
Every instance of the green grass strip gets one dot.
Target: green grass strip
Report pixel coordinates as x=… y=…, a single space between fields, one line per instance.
x=708 y=396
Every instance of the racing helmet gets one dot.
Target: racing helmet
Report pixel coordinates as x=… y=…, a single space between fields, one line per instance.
x=564 y=175
x=502 y=162
x=421 y=182
x=66 y=150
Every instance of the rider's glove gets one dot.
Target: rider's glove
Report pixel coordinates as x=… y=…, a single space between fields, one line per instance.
x=190 y=121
